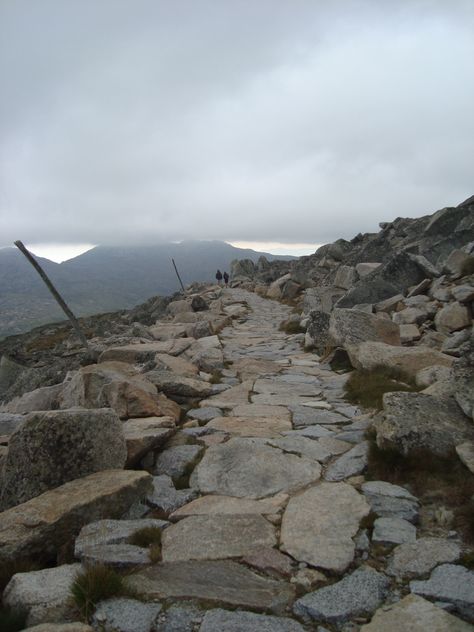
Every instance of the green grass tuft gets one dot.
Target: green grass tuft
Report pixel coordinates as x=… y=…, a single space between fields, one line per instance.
x=367 y=388
x=467 y=267
x=216 y=377
x=291 y=327
x=146 y=537
x=93 y=585
x=467 y=560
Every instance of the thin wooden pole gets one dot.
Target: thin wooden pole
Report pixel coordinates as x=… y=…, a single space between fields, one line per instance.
x=53 y=291
x=177 y=274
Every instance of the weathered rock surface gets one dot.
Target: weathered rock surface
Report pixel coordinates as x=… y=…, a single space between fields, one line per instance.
x=351 y=326
x=358 y=594
x=105 y=532
x=415 y=614
x=387 y=500
x=222 y=582
x=44 y=595
x=220 y=620
x=250 y=468
x=349 y=464
x=393 y=531
x=449 y=584
x=452 y=317
x=166 y=497
x=54 y=447
x=216 y=537
x=251 y=426
x=370 y=355
x=318 y=525
x=45 y=523
x=224 y=505
x=145 y=434
x=178 y=385
x=466 y=454
x=261 y=410
x=61 y=627
x=419 y=558
x=178 y=461
x=414 y=420
x=126 y=615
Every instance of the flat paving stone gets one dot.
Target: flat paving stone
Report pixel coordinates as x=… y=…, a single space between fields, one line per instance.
x=349 y=464
x=225 y=621
x=118 y=556
x=216 y=537
x=251 y=426
x=126 y=615
x=318 y=525
x=230 y=398
x=177 y=461
x=419 y=558
x=393 y=531
x=249 y=468
x=312 y=432
x=104 y=532
x=204 y=414
x=414 y=614
x=166 y=497
x=387 y=500
x=302 y=446
x=222 y=582
x=223 y=505
x=256 y=410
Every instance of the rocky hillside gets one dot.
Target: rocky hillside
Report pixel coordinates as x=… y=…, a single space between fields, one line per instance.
x=294 y=453
x=130 y=275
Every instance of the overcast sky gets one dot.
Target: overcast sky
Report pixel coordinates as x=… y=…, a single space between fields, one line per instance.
x=291 y=121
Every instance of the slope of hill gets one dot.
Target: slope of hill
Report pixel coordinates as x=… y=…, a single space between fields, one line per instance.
x=106 y=278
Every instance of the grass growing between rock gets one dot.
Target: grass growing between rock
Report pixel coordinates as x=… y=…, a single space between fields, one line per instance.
x=148 y=538
x=291 y=327
x=467 y=267
x=12 y=620
x=95 y=584
x=430 y=477
x=367 y=388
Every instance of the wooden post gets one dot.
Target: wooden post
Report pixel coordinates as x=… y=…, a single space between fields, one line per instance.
x=54 y=292
x=177 y=274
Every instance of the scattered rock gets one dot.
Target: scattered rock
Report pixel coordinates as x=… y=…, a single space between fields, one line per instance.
x=390 y=501
x=126 y=615
x=166 y=497
x=106 y=532
x=349 y=464
x=223 y=505
x=348 y=327
x=357 y=595
x=393 y=531
x=178 y=461
x=43 y=595
x=466 y=454
x=145 y=434
x=239 y=621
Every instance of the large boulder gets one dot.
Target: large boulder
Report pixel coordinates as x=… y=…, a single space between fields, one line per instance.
x=345 y=277
x=43 y=525
x=115 y=385
x=318 y=329
x=369 y=355
x=322 y=299
x=178 y=385
x=393 y=277
x=453 y=317
x=412 y=421
x=351 y=326
x=53 y=447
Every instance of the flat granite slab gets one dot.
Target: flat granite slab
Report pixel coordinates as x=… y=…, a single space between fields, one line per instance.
x=219 y=582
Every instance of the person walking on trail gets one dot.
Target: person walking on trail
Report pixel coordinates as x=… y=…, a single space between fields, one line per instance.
x=226 y=278
x=219 y=277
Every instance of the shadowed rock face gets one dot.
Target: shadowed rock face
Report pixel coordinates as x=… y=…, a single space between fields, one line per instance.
x=54 y=447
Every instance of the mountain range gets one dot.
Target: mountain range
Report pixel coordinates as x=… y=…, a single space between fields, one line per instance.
x=106 y=278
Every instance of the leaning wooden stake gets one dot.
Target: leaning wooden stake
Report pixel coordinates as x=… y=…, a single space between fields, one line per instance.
x=177 y=274
x=53 y=291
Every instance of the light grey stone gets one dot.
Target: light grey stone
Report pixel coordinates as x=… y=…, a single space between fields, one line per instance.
x=221 y=582
x=126 y=615
x=312 y=432
x=43 y=595
x=250 y=468
x=179 y=619
x=302 y=446
x=358 y=594
x=349 y=464
x=204 y=414
x=452 y=317
x=391 y=501
x=463 y=293
x=178 y=461
x=393 y=531
x=53 y=447
x=165 y=497
x=319 y=524
x=419 y=558
x=9 y=422
x=466 y=454
x=349 y=326
x=105 y=532
x=450 y=584
x=216 y=537
x=413 y=420
x=119 y=556
x=240 y=621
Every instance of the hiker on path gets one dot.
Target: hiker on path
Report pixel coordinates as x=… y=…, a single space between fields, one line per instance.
x=219 y=277
x=226 y=278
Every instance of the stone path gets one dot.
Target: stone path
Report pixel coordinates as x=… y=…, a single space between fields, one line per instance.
x=265 y=514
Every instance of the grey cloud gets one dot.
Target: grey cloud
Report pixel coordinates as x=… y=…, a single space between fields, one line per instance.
x=303 y=121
